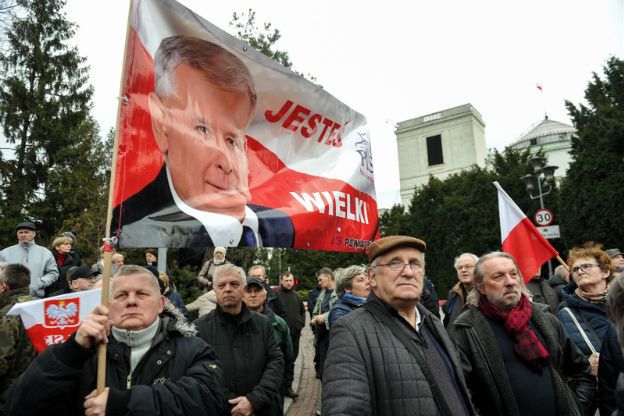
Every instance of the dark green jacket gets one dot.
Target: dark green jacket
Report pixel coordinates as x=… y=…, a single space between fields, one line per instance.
x=16 y=350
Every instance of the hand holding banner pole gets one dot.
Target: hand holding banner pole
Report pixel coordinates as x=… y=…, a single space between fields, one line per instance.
x=108 y=251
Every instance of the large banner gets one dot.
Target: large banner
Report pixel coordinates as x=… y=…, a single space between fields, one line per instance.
x=221 y=146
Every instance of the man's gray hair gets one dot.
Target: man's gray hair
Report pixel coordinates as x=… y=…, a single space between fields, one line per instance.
x=15 y=275
x=479 y=275
x=220 y=67
x=561 y=272
x=472 y=256
x=130 y=269
x=228 y=270
x=344 y=279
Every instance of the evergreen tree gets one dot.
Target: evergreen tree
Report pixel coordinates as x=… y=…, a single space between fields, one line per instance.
x=45 y=101
x=390 y=221
x=591 y=192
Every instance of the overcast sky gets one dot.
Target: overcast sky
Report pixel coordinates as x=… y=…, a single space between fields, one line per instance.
x=395 y=60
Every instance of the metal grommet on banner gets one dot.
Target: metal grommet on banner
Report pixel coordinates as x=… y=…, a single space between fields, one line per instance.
x=245 y=48
x=125 y=100
x=109 y=244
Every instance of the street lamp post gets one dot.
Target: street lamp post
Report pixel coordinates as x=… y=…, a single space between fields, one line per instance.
x=545 y=177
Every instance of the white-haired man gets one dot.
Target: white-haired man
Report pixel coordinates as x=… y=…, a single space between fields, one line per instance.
x=252 y=362
x=155 y=364
x=464 y=266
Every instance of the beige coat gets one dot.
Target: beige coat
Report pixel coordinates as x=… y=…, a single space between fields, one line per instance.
x=204 y=304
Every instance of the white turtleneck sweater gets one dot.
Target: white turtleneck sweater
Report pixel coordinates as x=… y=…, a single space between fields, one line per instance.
x=139 y=341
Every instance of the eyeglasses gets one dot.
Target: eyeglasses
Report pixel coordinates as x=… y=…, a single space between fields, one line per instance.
x=397 y=266
x=466 y=266
x=585 y=267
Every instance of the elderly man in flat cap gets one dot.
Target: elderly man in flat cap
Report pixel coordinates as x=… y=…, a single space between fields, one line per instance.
x=392 y=356
x=39 y=260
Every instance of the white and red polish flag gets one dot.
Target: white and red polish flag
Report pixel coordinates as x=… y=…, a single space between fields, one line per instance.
x=52 y=320
x=520 y=238
x=307 y=176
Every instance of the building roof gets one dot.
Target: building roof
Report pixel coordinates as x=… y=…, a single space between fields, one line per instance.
x=548 y=131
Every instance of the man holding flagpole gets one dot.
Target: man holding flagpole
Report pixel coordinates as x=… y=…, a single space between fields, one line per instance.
x=155 y=365
x=203 y=102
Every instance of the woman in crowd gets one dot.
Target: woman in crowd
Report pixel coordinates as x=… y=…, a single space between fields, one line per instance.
x=204 y=278
x=61 y=248
x=204 y=304
x=173 y=296
x=353 y=288
x=118 y=260
x=583 y=311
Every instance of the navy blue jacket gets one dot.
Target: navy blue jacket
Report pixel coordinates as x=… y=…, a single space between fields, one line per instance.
x=594 y=313
x=345 y=304
x=609 y=368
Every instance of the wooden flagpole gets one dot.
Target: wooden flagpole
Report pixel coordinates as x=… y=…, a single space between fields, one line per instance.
x=563 y=263
x=108 y=254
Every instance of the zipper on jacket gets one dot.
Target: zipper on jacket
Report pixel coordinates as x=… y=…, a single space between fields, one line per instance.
x=129 y=382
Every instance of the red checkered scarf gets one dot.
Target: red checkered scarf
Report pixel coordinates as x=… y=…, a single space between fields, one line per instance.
x=516 y=321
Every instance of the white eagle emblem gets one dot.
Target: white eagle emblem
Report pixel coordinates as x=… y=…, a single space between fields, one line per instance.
x=62 y=315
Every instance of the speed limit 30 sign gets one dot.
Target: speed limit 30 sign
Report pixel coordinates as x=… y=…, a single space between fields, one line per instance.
x=543 y=217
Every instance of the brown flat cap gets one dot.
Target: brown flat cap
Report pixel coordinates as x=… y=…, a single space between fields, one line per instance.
x=385 y=244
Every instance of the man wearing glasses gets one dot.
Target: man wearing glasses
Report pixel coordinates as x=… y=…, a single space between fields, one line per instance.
x=392 y=356
x=464 y=265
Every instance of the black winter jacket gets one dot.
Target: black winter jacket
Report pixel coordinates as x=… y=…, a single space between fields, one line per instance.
x=274 y=301
x=252 y=363
x=61 y=284
x=485 y=371
x=610 y=367
x=178 y=375
x=295 y=309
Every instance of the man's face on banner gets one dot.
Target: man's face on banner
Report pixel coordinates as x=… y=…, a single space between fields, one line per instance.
x=201 y=133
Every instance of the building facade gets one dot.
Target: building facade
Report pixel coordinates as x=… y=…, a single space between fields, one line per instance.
x=555 y=140
x=439 y=145
x=452 y=140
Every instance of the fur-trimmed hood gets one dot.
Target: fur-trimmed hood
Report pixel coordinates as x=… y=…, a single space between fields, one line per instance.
x=174 y=321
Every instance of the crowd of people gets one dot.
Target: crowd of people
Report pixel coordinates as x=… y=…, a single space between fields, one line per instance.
x=503 y=346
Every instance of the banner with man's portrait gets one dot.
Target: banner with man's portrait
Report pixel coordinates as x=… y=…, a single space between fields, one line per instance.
x=221 y=146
